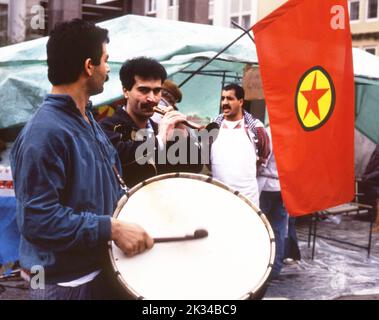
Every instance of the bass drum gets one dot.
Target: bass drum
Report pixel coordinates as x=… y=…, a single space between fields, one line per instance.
x=233 y=262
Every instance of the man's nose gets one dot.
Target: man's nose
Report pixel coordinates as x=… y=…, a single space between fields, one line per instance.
x=150 y=98
x=152 y=95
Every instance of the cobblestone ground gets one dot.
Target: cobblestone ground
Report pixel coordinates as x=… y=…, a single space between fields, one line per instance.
x=338 y=271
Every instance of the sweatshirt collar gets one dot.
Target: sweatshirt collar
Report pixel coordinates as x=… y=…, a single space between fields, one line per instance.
x=66 y=101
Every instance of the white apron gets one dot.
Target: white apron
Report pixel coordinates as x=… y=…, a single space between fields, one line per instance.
x=234 y=159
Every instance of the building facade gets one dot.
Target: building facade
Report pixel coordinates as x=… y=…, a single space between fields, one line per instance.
x=364 y=22
x=3 y=22
x=267 y=6
x=17 y=16
x=224 y=12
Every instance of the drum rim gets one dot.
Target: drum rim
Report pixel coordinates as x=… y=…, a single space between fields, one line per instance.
x=208 y=179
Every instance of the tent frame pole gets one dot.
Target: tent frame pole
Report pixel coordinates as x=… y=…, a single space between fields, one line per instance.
x=245 y=32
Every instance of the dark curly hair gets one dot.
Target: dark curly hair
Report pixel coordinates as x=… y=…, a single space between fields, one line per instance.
x=239 y=91
x=143 y=67
x=69 y=46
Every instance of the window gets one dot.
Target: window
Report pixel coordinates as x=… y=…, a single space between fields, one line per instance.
x=246 y=21
x=235 y=6
x=371 y=50
x=241 y=13
x=211 y=9
x=246 y=5
x=3 y=24
x=372 y=9
x=151 y=7
x=234 y=19
x=354 y=10
x=173 y=10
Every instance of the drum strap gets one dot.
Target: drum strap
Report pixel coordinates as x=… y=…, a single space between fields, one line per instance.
x=120 y=180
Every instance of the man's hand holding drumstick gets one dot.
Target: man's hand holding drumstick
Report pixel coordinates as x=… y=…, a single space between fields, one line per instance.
x=130 y=238
x=133 y=240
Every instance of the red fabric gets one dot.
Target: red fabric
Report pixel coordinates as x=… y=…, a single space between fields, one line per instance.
x=315 y=162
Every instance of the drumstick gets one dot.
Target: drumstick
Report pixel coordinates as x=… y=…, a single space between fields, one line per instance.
x=190 y=124
x=198 y=234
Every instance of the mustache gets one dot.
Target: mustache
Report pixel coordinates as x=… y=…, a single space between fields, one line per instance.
x=107 y=78
x=226 y=106
x=149 y=105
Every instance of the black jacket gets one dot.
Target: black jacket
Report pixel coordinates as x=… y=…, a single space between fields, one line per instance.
x=121 y=130
x=370 y=179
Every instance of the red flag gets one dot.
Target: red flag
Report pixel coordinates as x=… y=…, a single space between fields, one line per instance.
x=305 y=56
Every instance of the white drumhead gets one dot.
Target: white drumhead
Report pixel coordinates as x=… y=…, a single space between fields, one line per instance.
x=234 y=260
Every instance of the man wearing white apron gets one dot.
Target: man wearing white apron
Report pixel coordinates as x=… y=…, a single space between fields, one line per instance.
x=241 y=145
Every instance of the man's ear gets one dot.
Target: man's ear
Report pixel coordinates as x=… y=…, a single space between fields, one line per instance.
x=126 y=93
x=88 y=67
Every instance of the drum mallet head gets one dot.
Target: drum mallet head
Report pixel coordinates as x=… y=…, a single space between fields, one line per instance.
x=198 y=234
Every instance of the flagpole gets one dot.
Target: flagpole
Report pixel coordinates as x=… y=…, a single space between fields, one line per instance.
x=245 y=31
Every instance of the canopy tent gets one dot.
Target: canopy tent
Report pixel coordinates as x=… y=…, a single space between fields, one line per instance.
x=177 y=45
x=181 y=47
x=366 y=70
x=366 y=121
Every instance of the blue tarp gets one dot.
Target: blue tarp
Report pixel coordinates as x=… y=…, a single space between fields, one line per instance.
x=9 y=234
